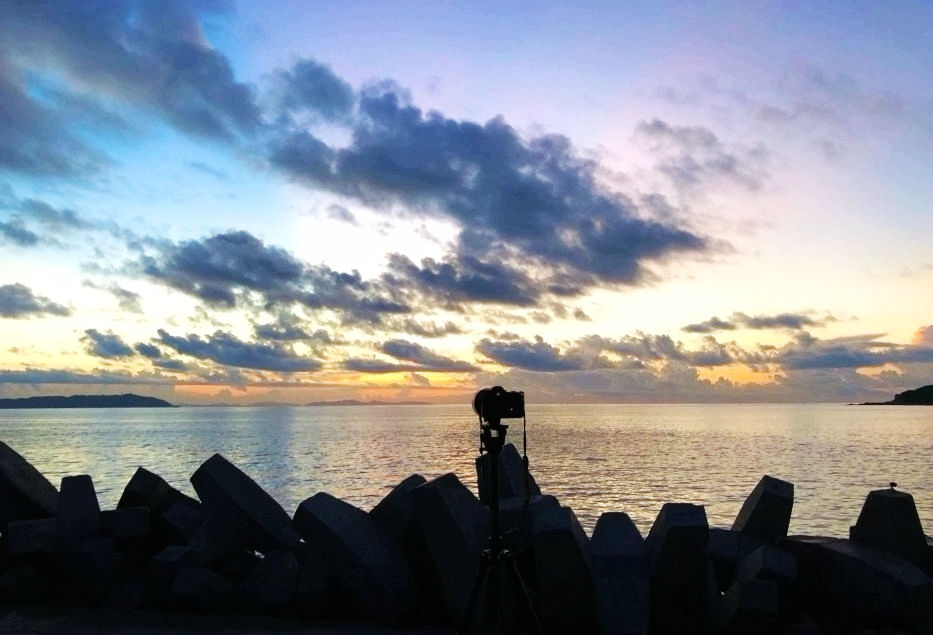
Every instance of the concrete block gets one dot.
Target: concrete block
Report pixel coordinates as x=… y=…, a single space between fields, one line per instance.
x=144 y=489
x=237 y=564
x=178 y=524
x=566 y=598
x=366 y=563
x=212 y=542
x=766 y=512
x=32 y=537
x=455 y=529
x=768 y=563
x=199 y=589
x=314 y=589
x=752 y=606
x=28 y=584
x=679 y=569
x=511 y=475
x=93 y=565
x=889 y=521
x=78 y=510
x=619 y=562
x=861 y=580
x=726 y=548
x=24 y=492
x=270 y=587
x=251 y=517
x=125 y=523
x=161 y=572
x=393 y=514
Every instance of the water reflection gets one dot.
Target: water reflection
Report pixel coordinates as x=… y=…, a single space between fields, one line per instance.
x=594 y=458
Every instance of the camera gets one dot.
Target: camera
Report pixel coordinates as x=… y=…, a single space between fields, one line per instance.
x=493 y=404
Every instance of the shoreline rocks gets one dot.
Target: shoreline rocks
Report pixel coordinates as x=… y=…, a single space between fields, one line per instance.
x=413 y=560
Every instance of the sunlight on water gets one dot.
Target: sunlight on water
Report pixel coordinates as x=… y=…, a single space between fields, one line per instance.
x=631 y=458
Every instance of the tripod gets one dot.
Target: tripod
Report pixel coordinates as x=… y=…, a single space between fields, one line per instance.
x=493 y=559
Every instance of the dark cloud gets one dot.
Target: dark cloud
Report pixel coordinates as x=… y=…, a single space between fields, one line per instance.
x=536 y=200
x=148 y=350
x=427 y=329
x=18 y=301
x=807 y=353
x=692 y=156
x=226 y=349
x=220 y=269
x=15 y=231
x=151 y=54
x=54 y=218
x=536 y=356
x=107 y=345
x=426 y=359
x=311 y=88
x=792 y=321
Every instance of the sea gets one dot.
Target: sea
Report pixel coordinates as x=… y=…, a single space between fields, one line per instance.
x=593 y=458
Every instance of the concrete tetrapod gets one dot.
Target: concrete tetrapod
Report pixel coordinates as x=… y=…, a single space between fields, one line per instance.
x=889 y=521
x=24 y=492
x=250 y=516
x=766 y=512
x=619 y=562
x=367 y=565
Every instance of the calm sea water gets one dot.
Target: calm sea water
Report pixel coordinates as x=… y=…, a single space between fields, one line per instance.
x=596 y=458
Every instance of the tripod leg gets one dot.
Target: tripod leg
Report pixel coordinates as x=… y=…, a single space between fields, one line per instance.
x=513 y=567
x=474 y=595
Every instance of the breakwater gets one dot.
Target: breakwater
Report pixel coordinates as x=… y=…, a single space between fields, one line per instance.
x=412 y=559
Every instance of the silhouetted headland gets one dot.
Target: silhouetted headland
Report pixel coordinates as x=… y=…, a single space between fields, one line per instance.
x=128 y=400
x=922 y=396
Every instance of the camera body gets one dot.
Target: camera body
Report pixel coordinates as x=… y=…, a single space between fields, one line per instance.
x=496 y=403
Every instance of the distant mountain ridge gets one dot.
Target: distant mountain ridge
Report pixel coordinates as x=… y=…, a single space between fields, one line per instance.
x=127 y=400
x=922 y=396
x=355 y=402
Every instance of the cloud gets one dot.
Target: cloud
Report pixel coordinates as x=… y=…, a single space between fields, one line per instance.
x=536 y=356
x=18 y=301
x=226 y=349
x=148 y=350
x=220 y=269
x=536 y=201
x=107 y=345
x=127 y=300
x=806 y=353
x=15 y=231
x=425 y=358
x=54 y=218
x=311 y=88
x=427 y=329
x=792 y=321
x=692 y=156
x=924 y=336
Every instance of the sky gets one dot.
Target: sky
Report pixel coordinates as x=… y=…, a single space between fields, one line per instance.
x=247 y=202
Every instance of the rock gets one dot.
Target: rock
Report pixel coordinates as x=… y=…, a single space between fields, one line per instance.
x=78 y=509
x=566 y=599
x=24 y=493
x=861 y=580
x=766 y=512
x=768 y=563
x=31 y=537
x=250 y=516
x=511 y=475
x=752 y=606
x=271 y=586
x=363 y=559
x=679 y=569
x=726 y=548
x=455 y=530
x=889 y=521
x=619 y=563
x=198 y=589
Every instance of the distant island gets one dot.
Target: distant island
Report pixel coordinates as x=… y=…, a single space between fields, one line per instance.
x=86 y=401
x=922 y=396
x=354 y=402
